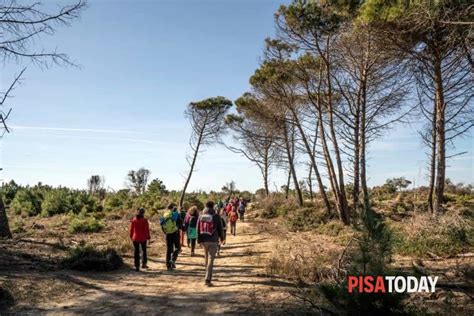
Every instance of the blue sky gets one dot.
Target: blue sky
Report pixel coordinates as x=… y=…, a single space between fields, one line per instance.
x=141 y=63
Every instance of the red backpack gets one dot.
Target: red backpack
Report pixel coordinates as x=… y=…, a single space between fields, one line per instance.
x=233 y=217
x=206 y=224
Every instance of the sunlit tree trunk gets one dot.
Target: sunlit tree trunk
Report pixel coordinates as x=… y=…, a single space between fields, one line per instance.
x=290 y=155
x=440 y=134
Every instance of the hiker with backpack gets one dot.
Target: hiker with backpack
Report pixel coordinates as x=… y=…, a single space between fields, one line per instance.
x=224 y=220
x=235 y=203
x=228 y=208
x=190 y=226
x=140 y=234
x=242 y=206
x=233 y=217
x=171 y=224
x=210 y=233
x=182 y=231
x=220 y=205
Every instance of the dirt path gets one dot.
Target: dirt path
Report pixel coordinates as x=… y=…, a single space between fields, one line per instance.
x=238 y=286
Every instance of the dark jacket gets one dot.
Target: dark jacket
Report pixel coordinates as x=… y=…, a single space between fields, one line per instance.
x=218 y=232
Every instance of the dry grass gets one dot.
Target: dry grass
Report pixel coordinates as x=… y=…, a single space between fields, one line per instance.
x=443 y=235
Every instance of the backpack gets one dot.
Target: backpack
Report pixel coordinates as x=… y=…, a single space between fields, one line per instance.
x=206 y=224
x=168 y=223
x=233 y=217
x=192 y=233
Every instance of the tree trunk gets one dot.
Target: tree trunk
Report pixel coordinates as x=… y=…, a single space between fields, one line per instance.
x=312 y=159
x=433 y=159
x=196 y=151
x=363 y=143
x=329 y=164
x=356 y=175
x=265 y=173
x=287 y=189
x=310 y=182
x=291 y=163
x=440 y=134
x=4 y=227
x=342 y=190
x=363 y=171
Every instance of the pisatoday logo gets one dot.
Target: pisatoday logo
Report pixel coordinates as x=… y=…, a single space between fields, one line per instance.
x=391 y=284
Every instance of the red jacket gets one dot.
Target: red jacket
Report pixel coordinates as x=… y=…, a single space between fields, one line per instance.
x=139 y=230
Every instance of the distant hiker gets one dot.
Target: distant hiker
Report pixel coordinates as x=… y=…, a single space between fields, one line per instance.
x=210 y=232
x=220 y=205
x=171 y=224
x=228 y=208
x=235 y=204
x=242 y=207
x=233 y=217
x=182 y=231
x=224 y=220
x=190 y=226
x=140 y=234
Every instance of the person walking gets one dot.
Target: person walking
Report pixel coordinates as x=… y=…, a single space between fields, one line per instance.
x=139 y=234
x=171 y=225
x=220 y=205
x=228 y=208
x=210 y=233
x=190 y=226
x=182 y=231
x=233 y=217
x=242 y=207
x=224 y=220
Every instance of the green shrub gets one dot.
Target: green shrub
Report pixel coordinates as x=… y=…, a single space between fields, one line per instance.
x=444 y=235
x=305 y=219
x=113 y=202
x=355 y=303
x=84 y=224
x=87 y=258
x=193 y=199
x=369 y=255
x=55 y=202
x=18 y=227
x=331 y=228
x=25 y=203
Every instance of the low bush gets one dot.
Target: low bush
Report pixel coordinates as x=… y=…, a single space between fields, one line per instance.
x=269 y=206
x=85 y=224
x=331 y=228
x=305 y=219
x=443 y=235
x=87 y=258
x=18 y=227
x=25 y=203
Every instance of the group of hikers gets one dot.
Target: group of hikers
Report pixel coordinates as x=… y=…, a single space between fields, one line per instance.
x=208 y=228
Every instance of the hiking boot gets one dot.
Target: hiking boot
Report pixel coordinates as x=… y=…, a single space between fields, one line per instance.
x=208 y=283
x=144 y=266
x=173 y=264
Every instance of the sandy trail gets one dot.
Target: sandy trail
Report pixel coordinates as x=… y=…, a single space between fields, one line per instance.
x=238 y=286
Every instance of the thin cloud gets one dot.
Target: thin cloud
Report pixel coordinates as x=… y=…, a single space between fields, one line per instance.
x=67 y=129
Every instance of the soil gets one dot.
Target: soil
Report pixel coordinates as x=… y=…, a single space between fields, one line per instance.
x=239 y=284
